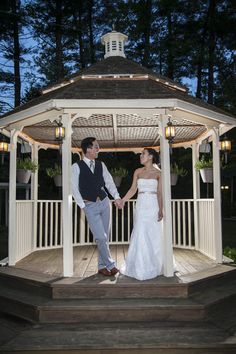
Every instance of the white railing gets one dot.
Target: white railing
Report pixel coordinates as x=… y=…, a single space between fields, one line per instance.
x=24 y=228
x=183 y=223
x=49 y=225
x=49 y=230
x=206 y=227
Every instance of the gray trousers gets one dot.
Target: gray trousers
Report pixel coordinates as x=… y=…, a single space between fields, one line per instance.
x=98 y=217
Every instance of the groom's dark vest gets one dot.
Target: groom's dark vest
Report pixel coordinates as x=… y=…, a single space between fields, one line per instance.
x=91 y=185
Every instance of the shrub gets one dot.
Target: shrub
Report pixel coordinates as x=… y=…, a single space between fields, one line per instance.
x=230 y=252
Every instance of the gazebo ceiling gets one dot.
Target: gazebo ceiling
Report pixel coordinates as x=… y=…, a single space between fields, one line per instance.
x=116 y=131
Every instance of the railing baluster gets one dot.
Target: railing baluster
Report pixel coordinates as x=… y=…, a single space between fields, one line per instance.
x=184 y=223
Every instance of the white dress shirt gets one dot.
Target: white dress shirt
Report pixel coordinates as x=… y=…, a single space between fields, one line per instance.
x=109 y=183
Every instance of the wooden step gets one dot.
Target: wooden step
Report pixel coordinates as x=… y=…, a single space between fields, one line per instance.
x=114 y=287
x=122 y=338
x=38 y=309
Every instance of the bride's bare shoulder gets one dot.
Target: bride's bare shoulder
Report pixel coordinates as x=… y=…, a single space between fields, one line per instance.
x=139 y=170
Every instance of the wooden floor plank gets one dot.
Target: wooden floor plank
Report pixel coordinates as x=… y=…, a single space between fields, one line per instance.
x=85 y=260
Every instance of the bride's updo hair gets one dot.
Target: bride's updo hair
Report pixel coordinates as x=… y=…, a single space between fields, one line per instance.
x=155 y=155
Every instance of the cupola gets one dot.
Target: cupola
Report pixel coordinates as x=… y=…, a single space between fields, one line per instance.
x=114 y=44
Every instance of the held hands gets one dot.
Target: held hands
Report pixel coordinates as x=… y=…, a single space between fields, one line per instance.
x=119 y=203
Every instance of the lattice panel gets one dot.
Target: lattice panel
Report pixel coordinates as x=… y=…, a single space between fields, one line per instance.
x=45 y=123
x=99 y=133
x=40 y=133
x=94 y=120
x=137 y=133
x=135 y=120
x=188 y=133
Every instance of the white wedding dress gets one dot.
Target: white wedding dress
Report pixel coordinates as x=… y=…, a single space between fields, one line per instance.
x=145 y=254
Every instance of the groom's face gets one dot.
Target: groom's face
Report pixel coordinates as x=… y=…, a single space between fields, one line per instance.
x=92 y=152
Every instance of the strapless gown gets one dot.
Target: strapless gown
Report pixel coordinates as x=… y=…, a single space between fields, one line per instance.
x=145 y=254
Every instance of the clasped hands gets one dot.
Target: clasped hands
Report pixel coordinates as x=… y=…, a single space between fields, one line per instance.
x=119 y=203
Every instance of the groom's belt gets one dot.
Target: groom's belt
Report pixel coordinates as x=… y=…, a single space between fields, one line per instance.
x=92 y=201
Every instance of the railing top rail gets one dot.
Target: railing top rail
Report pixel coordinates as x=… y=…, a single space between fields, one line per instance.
x=205 y=200
x=182 y=200
x=49 y=200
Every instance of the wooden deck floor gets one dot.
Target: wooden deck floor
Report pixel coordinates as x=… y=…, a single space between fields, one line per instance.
x=85 y=261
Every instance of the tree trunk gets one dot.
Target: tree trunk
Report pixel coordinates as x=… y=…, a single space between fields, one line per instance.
x=170 y=58
x=211 y=50
x=16 y=51
x=80 y=33
x=90 y=24
x=201 y=56
x=147 y=32
x=59 y=55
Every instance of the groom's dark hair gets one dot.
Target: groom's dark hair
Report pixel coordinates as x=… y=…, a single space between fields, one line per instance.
x=87 y=143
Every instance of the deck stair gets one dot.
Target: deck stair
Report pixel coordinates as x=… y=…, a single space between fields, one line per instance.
x=117 y=315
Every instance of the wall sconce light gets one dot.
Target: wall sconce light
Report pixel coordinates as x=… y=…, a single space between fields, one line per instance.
x=225 y=147
x=170 y=132
x=59 y=132
x=4 y=147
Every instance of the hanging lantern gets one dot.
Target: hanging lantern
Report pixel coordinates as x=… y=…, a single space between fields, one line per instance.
x=4 y=146
x=59 y=132
x=225 y=147
x=225 y=144
x=170 y=132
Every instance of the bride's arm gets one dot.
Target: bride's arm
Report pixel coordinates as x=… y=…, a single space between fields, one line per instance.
x=133 y=188
x=159 y=199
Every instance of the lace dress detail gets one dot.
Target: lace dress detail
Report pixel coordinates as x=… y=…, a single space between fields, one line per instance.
x=145 y=254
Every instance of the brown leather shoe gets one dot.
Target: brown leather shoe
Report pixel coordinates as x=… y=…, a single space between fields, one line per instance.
x=104 y=271
x=114 y=271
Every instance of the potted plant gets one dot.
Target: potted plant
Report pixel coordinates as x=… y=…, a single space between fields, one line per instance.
x=206 y=169
x=56 y=174
x=175 y=172
x=118 y=174
x=24 y=169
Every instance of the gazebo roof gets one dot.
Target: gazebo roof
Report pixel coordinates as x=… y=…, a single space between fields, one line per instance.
x=119 y=102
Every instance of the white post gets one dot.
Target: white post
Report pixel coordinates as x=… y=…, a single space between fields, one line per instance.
x=217 y=197
x=12 y=199
x=166 y=194
x=196 y=191
x=67 y=199
x=34 y=195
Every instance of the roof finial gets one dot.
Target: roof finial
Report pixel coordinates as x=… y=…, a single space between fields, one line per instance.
x=113 y=27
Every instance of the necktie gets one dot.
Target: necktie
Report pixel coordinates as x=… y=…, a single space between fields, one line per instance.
x=92 y=165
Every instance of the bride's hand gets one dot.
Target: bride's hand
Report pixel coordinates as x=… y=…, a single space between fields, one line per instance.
x=160 y=215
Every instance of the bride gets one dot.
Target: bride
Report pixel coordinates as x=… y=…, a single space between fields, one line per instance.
x=145 y=254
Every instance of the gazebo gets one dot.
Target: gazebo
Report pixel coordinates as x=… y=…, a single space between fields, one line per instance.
x=126 y=107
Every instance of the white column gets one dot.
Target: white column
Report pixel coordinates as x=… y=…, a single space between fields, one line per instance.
x=12 y=199
x=217 y=197
x=67 y=198
x=196 y=191
x=34 y=195
x=166 y=194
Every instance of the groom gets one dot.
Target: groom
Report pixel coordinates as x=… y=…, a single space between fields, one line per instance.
x=89 y=177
